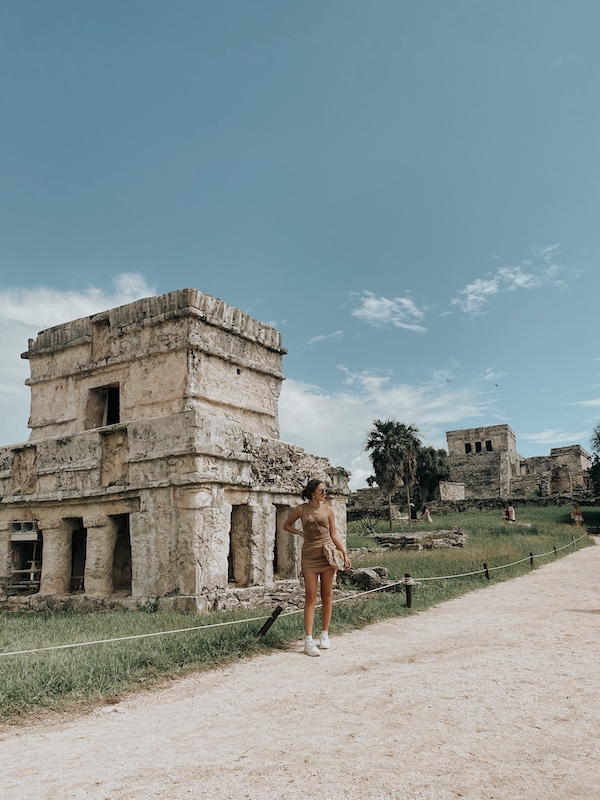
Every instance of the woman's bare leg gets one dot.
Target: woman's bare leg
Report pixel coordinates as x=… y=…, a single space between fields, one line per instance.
x=326 y=597
x=311 y=585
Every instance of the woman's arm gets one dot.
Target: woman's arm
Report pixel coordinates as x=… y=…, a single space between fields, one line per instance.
x=336 y=539
x=288 y=525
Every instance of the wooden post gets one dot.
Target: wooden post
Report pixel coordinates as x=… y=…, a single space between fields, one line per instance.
x=573 y=540
x=408 y=584
x=531 y=559
x=487 y=572
x=270 y=621
x=555 y=553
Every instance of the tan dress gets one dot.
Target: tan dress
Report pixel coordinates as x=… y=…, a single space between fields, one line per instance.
x=313 y=557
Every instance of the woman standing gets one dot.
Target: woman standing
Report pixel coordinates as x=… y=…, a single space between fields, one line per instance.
x=577 y=516
x=318 y=528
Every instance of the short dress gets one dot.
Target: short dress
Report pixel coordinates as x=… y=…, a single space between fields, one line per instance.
x=313 y=557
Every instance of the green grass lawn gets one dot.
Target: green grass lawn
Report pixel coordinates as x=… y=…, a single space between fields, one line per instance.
x=102 y=673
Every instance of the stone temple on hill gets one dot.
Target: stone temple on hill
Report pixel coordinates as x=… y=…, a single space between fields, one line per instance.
x=154 y=466
x=486 y=462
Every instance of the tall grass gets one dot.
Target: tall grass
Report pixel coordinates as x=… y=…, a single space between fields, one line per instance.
x=102 y=673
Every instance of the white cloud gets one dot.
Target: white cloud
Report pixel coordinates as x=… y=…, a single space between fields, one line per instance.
x=587 y=403
x=490 y=375
x=26 y=311
x=554 y=437
x=381 y=312
x=335 y=424
x=533 y=273
x=334 y=335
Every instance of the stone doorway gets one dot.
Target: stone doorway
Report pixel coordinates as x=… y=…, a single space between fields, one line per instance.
x=78 y=556
x=239 y=567
x=122 y=556
x=284 y=547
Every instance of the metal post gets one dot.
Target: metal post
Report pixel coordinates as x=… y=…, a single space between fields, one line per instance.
x=408 y=583
x=270 y=621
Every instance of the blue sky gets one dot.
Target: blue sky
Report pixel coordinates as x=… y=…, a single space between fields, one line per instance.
x=408 y=191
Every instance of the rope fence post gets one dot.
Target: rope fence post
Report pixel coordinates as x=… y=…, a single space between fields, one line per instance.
x=573 y=540
x=531 y=558
x=277 y=611
x=408 y=583
x=487 y=572
x=555 y=553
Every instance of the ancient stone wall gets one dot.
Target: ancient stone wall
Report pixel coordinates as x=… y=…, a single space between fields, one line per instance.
x=184 y=495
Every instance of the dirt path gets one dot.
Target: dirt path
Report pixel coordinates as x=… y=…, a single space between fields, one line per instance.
x=492 y=695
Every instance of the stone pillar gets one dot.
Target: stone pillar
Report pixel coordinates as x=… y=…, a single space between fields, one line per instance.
x=6 y=564
x=100 y=548
x=56 y=556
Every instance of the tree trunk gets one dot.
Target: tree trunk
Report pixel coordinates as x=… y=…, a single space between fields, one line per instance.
x=390 y=509
x=409 y=510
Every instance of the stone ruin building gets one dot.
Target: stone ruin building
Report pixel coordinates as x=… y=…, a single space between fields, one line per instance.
x=154 y=466
x=486 y=462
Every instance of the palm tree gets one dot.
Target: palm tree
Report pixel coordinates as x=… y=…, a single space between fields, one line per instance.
x=383 y=445
x=393 y=448
x=595 y=440
x=411 y=444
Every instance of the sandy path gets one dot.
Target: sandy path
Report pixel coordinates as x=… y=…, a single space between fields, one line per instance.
x=492 y=695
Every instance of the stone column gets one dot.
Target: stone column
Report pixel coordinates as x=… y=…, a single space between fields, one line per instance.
x=100 y=548
x=6 y=564
x=56 y=556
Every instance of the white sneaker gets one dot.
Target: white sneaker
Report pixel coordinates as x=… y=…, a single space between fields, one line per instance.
x=324 y=643
x=310 y=648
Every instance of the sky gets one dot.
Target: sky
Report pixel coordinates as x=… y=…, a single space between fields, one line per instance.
x=409 y=192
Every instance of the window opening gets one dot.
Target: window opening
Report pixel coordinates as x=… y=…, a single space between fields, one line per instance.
x=26 y=558
x=122 y=556
x=478 y=447
x=467 y=448
x=104 y=407
x=488 y=445
x=78 y=553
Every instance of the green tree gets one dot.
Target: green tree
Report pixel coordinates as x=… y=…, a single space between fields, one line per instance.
x=393 y=448
x=595 y=440
x=432 y=467
x=411 y=444
x=594 y=470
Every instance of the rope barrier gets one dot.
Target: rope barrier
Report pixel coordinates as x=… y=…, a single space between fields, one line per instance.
x=387 y=586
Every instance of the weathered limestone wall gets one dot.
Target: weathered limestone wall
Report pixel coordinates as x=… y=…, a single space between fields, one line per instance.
x=452 y=491
x=153 y=466
x=198 y=353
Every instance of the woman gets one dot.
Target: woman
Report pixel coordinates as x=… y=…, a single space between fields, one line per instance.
x=577 y=516
x=426 y=515
x=318 y=528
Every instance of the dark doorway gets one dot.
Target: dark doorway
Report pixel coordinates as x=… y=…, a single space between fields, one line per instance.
x=122 y=556
x=78 y=553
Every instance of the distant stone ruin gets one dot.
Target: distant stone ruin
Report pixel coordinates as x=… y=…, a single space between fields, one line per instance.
x=154 y=467
x=486 y=461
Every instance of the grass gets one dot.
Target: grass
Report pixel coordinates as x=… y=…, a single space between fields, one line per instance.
x=102 y=673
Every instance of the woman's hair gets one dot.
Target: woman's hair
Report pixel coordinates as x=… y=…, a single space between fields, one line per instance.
x=309 y=489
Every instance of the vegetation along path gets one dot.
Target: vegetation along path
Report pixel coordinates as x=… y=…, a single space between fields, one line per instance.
x=491 y=695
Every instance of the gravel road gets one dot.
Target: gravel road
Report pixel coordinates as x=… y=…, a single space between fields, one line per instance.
x=492 y=695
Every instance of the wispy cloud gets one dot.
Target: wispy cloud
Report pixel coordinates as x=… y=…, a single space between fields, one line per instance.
x=335 y=424
x=490 y=375
x=323 y=336
x=382 y=312
x=551 y=436
x=587 y=403
x=26 y=311
x=542 y=269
